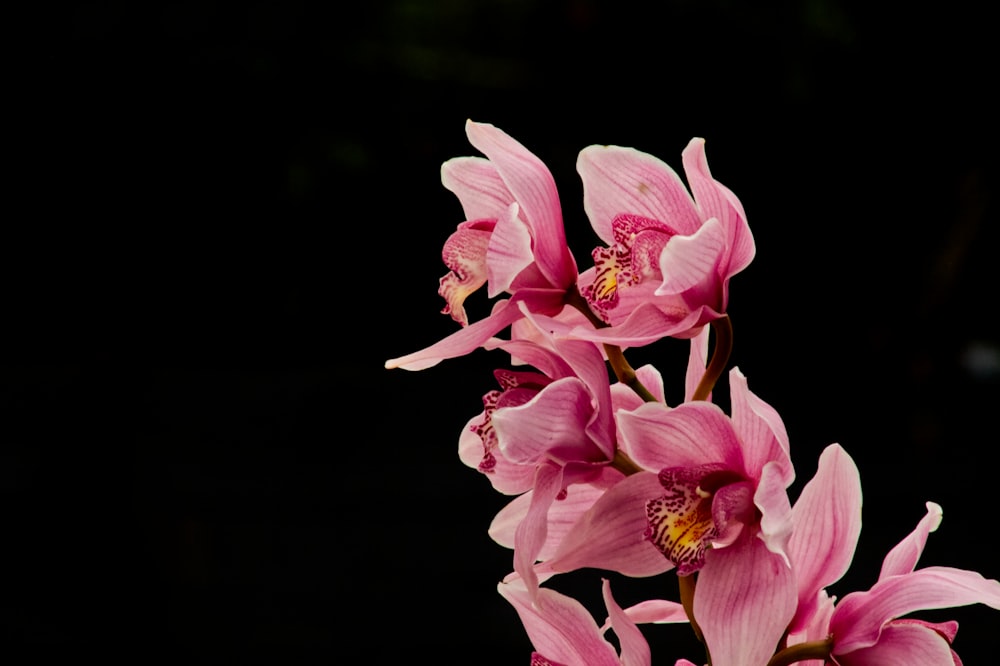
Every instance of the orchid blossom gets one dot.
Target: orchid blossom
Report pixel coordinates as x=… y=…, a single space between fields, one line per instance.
x=669 y=256
x=723 y=511
x=721 y=475
x=544 y=432
x=600 y=523
x=867 y=628
x=512 y=241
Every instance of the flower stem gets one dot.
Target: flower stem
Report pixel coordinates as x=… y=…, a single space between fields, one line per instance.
x=623 y=371
x=802 y=652
x=723 y=347
x=624 y=464
x=686 y=584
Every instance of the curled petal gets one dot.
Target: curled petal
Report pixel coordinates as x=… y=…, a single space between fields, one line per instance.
x=552 y=424
x=464 y=254
x=634 y=648
x=657 y=611
x=859 y=617
x=760 y=428
x=910 y=643
x=689 y=262
x=505 y=476
x=559 y=627
x=716 y=200
x=771 y=500
x=903 y=558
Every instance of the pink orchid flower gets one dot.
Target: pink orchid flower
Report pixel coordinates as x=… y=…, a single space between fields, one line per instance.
x=512 y=241
x=601 y=523
x=866 y=628
x=722 y=511
x=546 y=430
x=722 y=474
x=669 y=257
x=564 y=633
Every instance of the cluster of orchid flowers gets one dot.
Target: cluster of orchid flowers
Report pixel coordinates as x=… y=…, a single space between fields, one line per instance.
x=606 y=475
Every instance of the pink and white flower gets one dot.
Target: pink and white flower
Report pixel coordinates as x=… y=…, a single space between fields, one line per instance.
x=723 y=512
x=512 y=241
x=868 y=628
x=668 y=258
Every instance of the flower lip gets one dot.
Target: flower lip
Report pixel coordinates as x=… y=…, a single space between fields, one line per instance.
x=685 y=522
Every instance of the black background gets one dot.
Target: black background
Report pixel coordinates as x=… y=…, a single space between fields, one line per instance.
x=223 y=219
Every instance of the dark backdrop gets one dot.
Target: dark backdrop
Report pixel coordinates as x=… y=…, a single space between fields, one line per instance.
x=225 y=218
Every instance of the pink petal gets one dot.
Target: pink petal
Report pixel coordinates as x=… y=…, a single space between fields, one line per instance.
x=624 y=180
x=464 y=253
x=509 y=251
x=827 y=523
x=771 y=499
x=693 y=433
x=559 y=627
x=478 y=186
x=743 y=601
x=902 y=643
x=610 y=534
x=587 y=362
x=903 y=558
x=858 y=618
x=506 y=477
x=562 y=516
x=649 y=322
x=475 y=335
x=657 y=611
x=552 y=424
x=760 y=429
x=716 y=200
x=533 y=187
x=689 y=262
x=529 y=537
x=634 y=648
x=697 y=360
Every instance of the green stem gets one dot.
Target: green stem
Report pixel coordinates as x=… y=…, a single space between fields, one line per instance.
x=723 y=347
x=803 y=652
